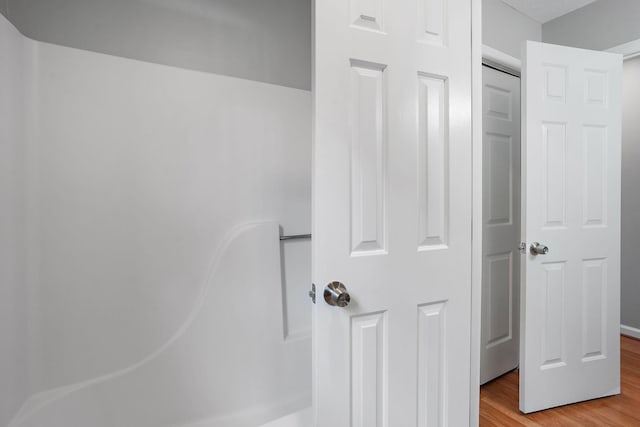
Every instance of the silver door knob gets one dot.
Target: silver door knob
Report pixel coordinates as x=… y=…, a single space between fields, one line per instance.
x=335 y=293
x=538 y=249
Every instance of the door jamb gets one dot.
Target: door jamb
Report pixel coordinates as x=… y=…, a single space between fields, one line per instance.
x=476 y=206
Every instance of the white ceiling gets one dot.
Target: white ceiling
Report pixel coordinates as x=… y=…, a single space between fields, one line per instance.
x=546 y=10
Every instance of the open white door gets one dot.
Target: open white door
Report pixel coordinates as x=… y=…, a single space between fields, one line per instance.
x=570 y=344
x=392 y=212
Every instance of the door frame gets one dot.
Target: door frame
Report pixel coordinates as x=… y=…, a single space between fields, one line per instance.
x=476 y=214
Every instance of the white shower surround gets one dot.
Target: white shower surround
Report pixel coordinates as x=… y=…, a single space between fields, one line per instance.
x=141 y=173
x=16 y=56
x=240 y=382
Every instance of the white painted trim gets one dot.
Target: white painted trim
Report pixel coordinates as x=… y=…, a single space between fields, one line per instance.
x=630 y=331
x=476 y=236
x=628 y=50
x=501 y=58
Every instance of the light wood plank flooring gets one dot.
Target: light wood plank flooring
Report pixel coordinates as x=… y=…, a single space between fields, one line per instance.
x=499 y=400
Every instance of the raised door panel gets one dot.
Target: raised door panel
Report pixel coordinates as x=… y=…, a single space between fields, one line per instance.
x=594 y=309
x=554 y=174
x=432 y=401
x=594 y=176
x=500 y=290
x=368 y=158
x=432 y=21
x=369 y=389
x=433 y=161
x=367 y=14
x=553 y=316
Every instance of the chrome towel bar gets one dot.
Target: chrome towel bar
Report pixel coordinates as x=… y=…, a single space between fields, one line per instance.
x=295 y=237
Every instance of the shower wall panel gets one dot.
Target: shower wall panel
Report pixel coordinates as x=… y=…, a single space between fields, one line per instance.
x=141 y=275
x=15 y=70
x=143 y=169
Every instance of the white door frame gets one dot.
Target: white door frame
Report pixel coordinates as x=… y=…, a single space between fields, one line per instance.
x=476 y=218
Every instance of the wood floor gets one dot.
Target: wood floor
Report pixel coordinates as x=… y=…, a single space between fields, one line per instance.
x=499 y=400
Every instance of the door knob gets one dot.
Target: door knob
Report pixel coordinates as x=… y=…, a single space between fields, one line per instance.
x=335 y=293
x=538 y=249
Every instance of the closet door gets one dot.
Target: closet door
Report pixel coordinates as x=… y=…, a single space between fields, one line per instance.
x=501 y=223
x=392 y=212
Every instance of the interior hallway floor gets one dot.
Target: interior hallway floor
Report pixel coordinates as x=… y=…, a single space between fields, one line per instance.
x=499 y=400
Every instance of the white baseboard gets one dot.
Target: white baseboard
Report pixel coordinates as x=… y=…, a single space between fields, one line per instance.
x=630 y=331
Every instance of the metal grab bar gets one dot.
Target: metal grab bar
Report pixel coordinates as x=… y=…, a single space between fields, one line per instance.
x=295 y=237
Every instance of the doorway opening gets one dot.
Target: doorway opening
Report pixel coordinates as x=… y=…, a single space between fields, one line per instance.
x=553 y=311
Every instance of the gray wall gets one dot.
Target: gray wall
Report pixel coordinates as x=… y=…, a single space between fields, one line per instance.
x=602 y=25
x=599 y=25
x=630 y=307
x=263 y=40
x=504 y=28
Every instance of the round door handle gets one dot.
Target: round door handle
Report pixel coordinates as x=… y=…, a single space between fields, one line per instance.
x=335 y=294
x=538 y=249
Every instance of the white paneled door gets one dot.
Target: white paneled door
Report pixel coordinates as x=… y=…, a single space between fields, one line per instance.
x=500 y=224
x=570 y=348
x=392 y=212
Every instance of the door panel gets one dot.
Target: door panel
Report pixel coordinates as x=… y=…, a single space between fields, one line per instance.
x=392 y=211
x=368 y=203
x=571 y=197
x=501 y=224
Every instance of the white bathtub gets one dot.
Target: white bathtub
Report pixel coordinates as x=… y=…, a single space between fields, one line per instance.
x=229 y=365
x=303 y=418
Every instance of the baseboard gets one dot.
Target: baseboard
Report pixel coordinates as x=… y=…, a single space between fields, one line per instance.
x=630 y=331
